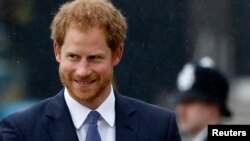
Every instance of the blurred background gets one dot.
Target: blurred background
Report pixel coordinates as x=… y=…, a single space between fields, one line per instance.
x=163 y=35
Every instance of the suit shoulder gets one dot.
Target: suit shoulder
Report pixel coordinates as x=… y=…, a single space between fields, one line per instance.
x=33 y=111
x=147 y=108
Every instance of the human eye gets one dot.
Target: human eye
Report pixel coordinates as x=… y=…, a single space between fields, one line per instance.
x=73 y=57
x=95 y=58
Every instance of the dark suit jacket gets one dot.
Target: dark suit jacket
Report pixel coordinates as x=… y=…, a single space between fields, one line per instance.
x=50 y=120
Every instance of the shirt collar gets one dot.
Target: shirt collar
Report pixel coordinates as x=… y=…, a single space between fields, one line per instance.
x=79 y=112
x=201 y=136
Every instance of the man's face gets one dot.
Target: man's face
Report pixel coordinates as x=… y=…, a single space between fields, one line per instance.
x=86 y=64
x=193 y=116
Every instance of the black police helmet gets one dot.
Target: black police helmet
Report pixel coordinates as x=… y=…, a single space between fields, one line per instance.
x=197 y=82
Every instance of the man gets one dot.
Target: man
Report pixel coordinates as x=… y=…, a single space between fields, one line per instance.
x=202 y=96
x=88 y=40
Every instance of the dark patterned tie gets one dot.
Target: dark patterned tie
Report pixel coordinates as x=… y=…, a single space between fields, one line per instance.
x=92 y=133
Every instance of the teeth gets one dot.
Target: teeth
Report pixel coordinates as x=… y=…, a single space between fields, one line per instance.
x=84 y=83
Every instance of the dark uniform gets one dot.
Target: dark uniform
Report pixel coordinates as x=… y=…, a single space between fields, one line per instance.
x=205 y=84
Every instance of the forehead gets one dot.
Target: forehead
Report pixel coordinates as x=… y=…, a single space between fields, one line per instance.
x=77 y=33
x=85 y=29
x=197 y=104
x=92 y=40
x=194 y=103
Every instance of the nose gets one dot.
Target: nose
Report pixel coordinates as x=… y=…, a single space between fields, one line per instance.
x=83 y=69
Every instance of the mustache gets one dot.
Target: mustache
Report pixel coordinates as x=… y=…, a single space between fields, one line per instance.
x=81 y=78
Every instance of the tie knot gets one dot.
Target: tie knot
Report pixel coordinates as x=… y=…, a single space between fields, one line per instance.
x=93 y=117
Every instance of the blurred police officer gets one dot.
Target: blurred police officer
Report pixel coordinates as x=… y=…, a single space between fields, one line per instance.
x=202 y=97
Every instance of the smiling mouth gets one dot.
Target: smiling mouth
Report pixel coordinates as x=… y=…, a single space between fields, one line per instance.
x=84 y=83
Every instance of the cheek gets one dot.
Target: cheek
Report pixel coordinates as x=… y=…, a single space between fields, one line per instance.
x=66 y=67
x=187 y=113
x=196 y=114
x=104 y=69
x=181 y=113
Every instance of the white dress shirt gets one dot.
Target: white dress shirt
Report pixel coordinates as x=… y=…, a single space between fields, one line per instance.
x=201 y=136
x=106 y=122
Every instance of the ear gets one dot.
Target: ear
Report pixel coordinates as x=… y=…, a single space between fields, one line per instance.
x=117 y=55
x=57 y=52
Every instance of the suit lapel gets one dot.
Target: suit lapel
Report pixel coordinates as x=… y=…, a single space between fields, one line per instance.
x=126 y=125
x=61 y=128
x=60 y=125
